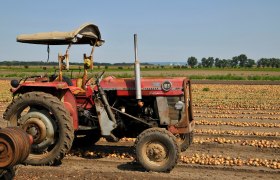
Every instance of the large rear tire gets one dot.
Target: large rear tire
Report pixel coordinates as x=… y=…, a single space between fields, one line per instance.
x=157 y=150
x=46 y=119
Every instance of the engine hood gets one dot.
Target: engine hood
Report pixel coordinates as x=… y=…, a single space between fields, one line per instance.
x=149 y=86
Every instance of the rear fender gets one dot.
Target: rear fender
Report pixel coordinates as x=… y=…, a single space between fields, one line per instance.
x=62 y=93
x=54 y=88
x=70 y=104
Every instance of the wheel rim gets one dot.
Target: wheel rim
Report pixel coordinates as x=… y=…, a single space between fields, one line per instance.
x=39 y=125
x=156 y=153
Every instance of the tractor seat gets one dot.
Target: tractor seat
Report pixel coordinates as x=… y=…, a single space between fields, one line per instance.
x=66 y=79
x=77 y=87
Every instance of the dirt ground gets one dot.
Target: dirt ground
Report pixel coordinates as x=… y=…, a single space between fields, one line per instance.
x=81 y=168
x=249 y=134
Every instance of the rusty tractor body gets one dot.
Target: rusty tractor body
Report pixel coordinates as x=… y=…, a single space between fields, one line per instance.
x=55 y=109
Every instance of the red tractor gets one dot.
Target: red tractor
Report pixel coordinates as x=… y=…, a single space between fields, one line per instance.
x=155 y=111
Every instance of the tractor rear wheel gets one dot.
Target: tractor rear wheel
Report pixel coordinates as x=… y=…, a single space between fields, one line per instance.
x=45 y=118
x=157 y=150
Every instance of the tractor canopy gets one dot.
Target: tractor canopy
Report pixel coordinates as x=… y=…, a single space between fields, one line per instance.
x=85 y=34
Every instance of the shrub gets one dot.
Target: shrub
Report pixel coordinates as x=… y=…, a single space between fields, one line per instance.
x=206 y=89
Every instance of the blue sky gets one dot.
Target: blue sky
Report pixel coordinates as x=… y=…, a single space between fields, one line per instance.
x=167 y=30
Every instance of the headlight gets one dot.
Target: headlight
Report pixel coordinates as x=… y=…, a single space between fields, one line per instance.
x=179 y=105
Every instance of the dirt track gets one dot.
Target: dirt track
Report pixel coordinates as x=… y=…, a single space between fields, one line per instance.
x=80 y=168
x=261 y=123
x=74 y=167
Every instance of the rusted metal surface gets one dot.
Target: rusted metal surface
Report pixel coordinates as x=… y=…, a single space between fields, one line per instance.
x=190 y=102
x=163 y=110
x=15 y=147
x=186 y=124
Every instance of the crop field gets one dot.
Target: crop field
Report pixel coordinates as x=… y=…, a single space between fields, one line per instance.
x=237 y=134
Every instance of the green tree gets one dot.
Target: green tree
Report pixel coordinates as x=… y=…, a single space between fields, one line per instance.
x=263 y=62
x=204 y=62
x=260 y=62
x=242 y=58
x=250 y=63
x=225 y=63
x=274 y=62
x=277 y=64
x=209 y=62
x=192 y=61
x=218 y=63
x=234 y=62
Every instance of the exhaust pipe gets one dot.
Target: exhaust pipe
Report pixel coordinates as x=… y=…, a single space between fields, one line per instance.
x=137 y=71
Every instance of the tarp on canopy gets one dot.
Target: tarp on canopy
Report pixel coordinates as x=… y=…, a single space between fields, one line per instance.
x=85 y=34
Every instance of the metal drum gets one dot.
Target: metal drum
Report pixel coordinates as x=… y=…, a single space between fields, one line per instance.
x=15 y=146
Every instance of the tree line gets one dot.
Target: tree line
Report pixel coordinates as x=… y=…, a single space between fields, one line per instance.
x=51 y=63
x=236 y=61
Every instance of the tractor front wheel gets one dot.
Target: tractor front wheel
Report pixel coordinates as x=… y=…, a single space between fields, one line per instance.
x=157 y=150
x=45 y=118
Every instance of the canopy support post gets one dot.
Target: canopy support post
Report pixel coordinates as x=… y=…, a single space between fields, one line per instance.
x=88 y=64
x=63 y=65
x=48 y=50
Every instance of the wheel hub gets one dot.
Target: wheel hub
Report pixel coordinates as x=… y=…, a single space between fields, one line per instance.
x=36 y=128
x=156 y=152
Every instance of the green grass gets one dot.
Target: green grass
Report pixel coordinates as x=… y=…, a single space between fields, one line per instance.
x=217 y=77
x=225 y=77
x=269 y=74
x=264 y=78
x=234 y=77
